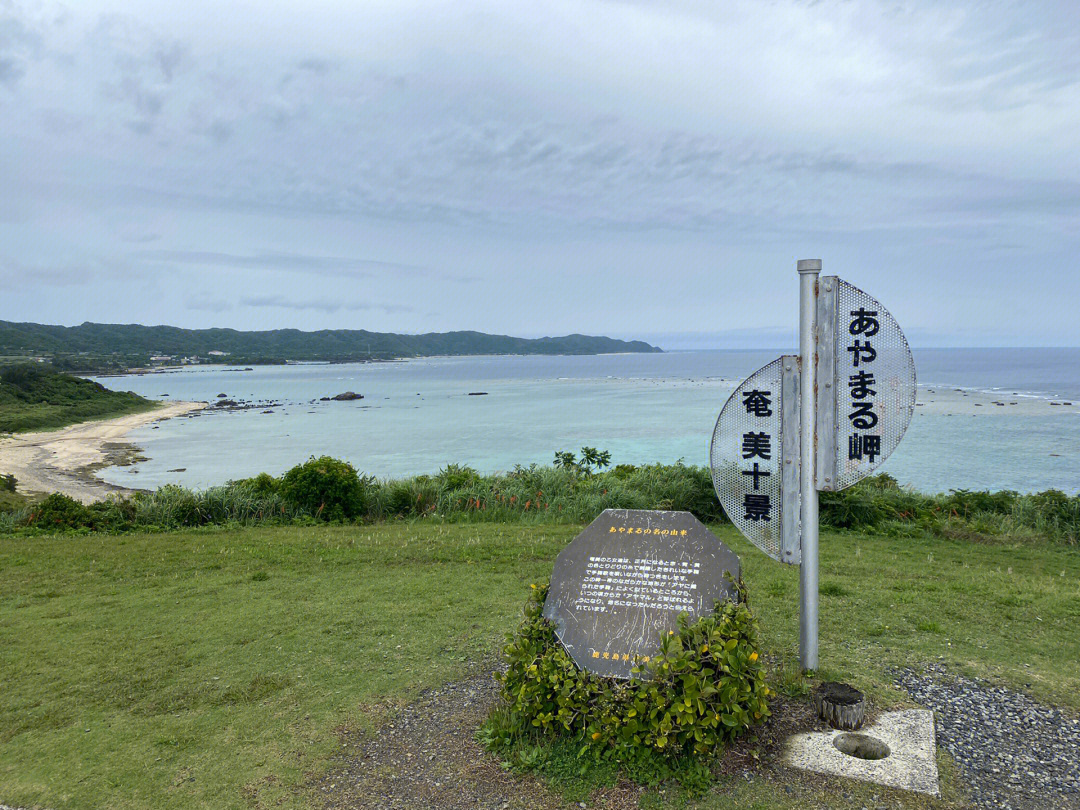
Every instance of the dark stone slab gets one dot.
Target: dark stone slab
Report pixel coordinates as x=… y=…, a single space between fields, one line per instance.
x=620 y=585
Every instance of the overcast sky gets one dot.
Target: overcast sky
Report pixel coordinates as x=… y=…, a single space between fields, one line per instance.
x=628 y=168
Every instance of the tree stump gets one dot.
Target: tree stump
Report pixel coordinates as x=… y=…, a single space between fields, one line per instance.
x=840 y=705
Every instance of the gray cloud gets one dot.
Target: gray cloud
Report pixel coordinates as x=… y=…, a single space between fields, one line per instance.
x=17 y=275
x=327 y=305
x=315 y=65
x=553 y=159
x=269 y=260
x=11 y=70
x=207 y=303
x=399 y=140
x=19 y=44
x=143 y=67
x=139 y=237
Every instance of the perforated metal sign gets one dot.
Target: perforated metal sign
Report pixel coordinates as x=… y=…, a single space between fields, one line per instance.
x=754 y=458
x=822 y=420
x=866 y=384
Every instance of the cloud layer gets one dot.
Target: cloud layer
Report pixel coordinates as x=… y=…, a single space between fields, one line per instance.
x=620 y=167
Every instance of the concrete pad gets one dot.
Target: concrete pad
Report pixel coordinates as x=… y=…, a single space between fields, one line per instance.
x=910 y=765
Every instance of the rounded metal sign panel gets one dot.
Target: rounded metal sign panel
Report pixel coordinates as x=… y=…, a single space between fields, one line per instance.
x=747 y=456
x=873 y=380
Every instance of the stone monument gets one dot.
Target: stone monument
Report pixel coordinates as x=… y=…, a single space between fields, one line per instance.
x=620 y=585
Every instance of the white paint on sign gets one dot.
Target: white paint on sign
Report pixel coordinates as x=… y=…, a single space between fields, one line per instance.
x=866 y=384
x=654 y=584
x=756 y=481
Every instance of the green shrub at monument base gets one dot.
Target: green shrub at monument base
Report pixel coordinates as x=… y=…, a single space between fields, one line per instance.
x=707 y=685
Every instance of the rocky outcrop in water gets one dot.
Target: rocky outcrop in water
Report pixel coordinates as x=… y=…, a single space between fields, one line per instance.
x=347 y=396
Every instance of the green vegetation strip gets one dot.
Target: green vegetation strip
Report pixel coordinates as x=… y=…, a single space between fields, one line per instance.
x=212 y=667
x=34 y=397
x=327 y=489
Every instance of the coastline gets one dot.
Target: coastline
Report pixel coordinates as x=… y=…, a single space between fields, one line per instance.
x=142 y=371
x=67 y=459
x=665 y=412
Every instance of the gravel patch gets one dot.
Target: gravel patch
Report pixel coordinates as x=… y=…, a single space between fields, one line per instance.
x=1015 y=753
x=425 y=755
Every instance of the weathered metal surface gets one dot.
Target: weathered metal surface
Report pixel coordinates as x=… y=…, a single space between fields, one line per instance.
x=790 y=469
x=809 y=271
x=874 y=385
x=746 y=458
x=620 y=585
x=825 y=468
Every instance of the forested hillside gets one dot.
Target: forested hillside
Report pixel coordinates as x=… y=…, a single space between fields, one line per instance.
x=35 y=397
x=129 y=344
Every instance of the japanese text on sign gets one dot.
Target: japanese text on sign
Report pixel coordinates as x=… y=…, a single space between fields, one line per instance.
x=657 y=584
x=862 y=326
x=757 y=505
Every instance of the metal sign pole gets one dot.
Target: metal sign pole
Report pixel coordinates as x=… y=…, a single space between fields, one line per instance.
x=821 y=421
x=809 y=269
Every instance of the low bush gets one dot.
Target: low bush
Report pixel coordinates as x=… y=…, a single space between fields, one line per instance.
x=114 y=514
x=705 y=686
x=262 y=484
x=967 y=504
x=454 y=476
x=327 y=488
x=58 y=512
x=404 y=498
x=170 y=506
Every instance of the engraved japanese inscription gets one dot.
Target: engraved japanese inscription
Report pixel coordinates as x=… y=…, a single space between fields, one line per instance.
x=620 y=585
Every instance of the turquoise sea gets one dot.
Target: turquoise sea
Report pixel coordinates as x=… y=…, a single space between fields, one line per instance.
x=418 y=415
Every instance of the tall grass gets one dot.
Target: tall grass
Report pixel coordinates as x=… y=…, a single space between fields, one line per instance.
x=175 y=507
x=564 y=494
x=880 y=505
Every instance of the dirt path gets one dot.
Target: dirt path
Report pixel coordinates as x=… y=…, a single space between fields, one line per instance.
x=425 y=756
x=65 y=460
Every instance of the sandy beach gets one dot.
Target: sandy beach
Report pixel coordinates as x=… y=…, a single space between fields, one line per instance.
x=66 y=460
x=76 y=460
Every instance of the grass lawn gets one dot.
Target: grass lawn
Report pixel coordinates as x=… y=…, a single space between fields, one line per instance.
x=211 y=668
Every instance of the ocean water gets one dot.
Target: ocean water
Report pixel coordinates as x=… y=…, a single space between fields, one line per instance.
x=1048 y=373
x=418 y=415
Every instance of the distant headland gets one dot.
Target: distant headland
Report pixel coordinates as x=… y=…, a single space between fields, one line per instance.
x=100 y=347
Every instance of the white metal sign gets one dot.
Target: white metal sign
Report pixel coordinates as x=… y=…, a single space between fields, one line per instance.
x=753 y=458
x=821 y=420
x=866 y=384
